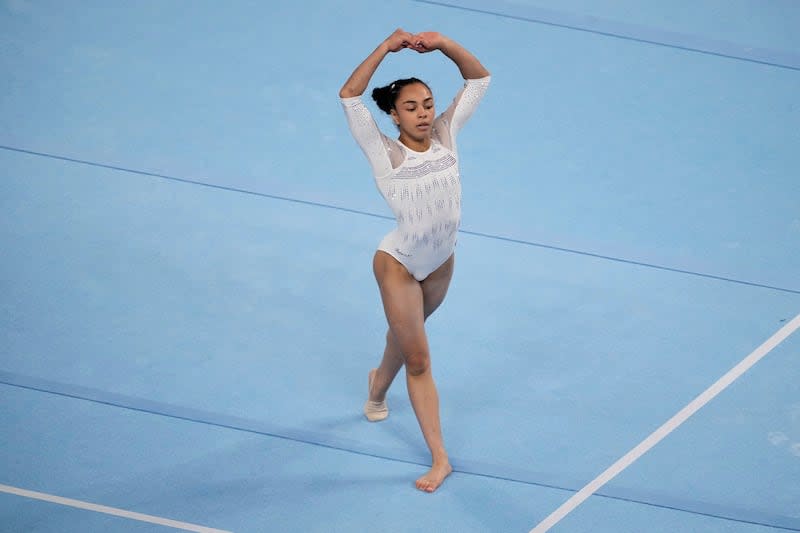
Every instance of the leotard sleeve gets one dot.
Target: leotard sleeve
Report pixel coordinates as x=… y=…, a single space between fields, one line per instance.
x=375 y=145
x=449 y=123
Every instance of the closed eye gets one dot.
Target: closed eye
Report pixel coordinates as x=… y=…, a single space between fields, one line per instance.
x=412 y=105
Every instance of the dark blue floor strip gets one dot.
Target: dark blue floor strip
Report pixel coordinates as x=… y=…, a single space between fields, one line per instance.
x=375 y=215
x=325 y=440
x=631 y=32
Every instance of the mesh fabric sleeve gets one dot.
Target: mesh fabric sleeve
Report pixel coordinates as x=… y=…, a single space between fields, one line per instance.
x=375 y=145
x=449 y=123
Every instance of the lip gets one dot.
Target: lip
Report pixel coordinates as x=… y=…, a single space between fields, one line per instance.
x=423 y=126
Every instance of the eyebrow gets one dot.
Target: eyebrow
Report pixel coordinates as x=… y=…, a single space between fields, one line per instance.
x=414 y=101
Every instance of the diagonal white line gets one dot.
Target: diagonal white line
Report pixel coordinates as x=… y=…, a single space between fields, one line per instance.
x=655 y=437
x=108 y=510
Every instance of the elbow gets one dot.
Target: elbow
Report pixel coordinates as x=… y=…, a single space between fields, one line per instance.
x=476 y=74
x=348 y=92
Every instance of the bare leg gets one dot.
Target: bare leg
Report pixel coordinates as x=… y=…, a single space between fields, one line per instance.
x=425 y=400
x=404 y=303
x=434 y=289
x=383 y=376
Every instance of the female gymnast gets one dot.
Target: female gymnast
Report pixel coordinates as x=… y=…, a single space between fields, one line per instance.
x=418 y=177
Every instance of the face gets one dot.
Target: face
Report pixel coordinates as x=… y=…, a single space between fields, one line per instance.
x=414 y=113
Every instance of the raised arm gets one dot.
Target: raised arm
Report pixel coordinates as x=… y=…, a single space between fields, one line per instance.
x=467 y=63
x=358 y=81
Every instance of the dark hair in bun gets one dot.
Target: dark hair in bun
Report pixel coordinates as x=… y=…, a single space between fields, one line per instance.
x=386 y=96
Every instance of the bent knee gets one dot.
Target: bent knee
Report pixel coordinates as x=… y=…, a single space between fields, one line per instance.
x=418 y=363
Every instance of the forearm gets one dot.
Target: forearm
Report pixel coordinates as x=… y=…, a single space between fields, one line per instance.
x=467 y=63
x=358 y=81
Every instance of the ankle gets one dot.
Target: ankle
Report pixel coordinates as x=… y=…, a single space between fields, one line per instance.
x=440 y=457
x=374 y=391
x=375 y=398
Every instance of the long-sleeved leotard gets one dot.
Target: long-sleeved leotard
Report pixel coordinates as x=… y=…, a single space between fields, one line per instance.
x=423 y=189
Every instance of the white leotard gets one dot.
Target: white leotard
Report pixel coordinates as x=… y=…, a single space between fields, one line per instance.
x=423 y=189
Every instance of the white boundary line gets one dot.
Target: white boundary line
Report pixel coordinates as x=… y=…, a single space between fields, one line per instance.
x=108 y=510
x=655 y=437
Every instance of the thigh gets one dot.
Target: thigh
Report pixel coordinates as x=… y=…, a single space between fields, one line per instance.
x=402 y=298
x=434 y=287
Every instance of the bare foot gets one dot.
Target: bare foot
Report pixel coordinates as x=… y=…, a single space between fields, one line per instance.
x=435 y=476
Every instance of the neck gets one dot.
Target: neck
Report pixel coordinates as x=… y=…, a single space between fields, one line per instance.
x=418 y=145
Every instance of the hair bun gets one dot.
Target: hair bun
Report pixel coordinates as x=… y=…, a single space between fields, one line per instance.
x=383 y=97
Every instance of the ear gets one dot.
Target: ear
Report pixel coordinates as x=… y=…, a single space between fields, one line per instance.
x=395 y=117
